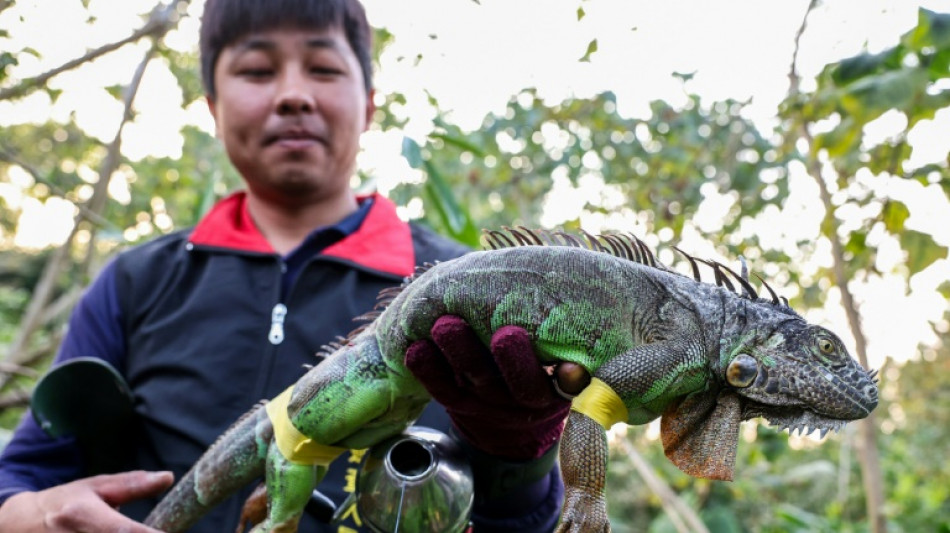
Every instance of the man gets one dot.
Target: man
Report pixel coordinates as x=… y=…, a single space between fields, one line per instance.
x=204 y=323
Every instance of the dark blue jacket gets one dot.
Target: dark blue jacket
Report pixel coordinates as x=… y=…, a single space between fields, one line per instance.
x=188 y=320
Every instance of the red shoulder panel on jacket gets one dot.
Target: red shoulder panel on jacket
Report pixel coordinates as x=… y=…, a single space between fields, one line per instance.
x=383 y=242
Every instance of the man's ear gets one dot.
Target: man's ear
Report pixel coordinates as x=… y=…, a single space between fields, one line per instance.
x=370 y=109
x=214 y=115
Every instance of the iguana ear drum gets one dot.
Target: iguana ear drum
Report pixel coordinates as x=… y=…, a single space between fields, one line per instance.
x=742 y=371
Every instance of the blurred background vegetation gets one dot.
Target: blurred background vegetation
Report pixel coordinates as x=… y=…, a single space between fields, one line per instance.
x=694 y=172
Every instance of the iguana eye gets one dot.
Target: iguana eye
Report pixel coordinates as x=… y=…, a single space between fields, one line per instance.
x=742 y=371
x=826 y=346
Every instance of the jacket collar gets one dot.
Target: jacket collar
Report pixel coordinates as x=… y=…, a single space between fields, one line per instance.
x=383 y=242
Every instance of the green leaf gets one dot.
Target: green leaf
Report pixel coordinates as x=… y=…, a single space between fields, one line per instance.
x=861 y=65
x=115 y=91
x=870 y=97
x=208 y=198
x=450 y=217
x=842 y=139
x=684 y=76
x=412 y=152
x=580 y=12
x=591 y=48
x=944 y=289
x=921 y=250
x=857 y=243
x=927 y=105
x=894 y=214
x=459 y=142
x=933 y=29
x=889 y=157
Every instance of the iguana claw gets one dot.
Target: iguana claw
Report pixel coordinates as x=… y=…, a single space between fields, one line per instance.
x=583 y=513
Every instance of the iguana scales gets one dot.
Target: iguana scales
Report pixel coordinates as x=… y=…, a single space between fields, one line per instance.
x=658 y=343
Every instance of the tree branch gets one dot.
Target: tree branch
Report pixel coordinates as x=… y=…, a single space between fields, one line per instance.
x=684 y=519
x=25 y=371
x=159 y=22
x=17 y=398
x=867 y=444
x=44 y=287
x=8 y=156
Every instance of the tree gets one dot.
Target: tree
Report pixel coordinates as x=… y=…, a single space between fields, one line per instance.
x=857 y=91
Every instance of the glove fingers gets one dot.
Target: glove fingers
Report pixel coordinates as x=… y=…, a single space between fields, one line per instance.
x=529 y=384
x=431 y=369
x=471 y=360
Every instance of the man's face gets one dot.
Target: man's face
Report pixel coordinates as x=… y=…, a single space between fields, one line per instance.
x=290 y=108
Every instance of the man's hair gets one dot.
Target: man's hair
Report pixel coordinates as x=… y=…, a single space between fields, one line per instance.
x=224 y=22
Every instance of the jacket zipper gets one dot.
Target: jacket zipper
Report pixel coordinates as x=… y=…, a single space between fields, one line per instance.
x=277 y=317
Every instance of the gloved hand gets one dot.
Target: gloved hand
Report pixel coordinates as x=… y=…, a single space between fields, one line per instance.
x=500 y=400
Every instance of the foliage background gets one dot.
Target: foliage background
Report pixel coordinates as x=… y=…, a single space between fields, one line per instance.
x=816 y=199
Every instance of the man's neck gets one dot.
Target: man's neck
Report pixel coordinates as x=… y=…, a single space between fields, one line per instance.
x=286 y=226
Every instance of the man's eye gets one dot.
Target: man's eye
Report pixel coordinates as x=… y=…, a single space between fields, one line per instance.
x=255 y=72
x=325 y=71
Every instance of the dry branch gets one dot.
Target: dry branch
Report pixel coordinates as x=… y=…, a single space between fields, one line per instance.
x=683 y=517
x=868 y=453
x=42 y=293
x=18 y=398
x=161 y=20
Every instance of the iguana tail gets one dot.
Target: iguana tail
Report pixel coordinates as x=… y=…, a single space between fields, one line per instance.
x=232 y=462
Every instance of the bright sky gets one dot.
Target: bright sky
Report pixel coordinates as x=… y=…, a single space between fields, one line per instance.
x=475 y=56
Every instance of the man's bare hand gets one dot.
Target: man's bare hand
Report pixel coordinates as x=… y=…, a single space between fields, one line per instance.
x=88 y=505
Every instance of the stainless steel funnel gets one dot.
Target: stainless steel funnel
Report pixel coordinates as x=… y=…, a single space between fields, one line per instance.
x=418 y=482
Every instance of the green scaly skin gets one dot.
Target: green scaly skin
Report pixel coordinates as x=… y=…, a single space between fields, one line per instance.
x=700 y=356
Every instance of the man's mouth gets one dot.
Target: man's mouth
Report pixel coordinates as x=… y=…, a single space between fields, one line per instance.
x=294 y=139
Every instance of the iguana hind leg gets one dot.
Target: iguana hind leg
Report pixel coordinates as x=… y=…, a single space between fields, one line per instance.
x=289 y=486
x=353 y=399
x=254 y=510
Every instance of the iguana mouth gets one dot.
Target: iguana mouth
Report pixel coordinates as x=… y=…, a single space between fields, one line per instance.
x=803 y=421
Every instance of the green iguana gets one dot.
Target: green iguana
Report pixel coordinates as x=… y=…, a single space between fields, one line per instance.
x=658 y=343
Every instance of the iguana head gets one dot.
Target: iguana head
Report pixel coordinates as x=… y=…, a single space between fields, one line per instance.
x=799 y=377
x=771 y=364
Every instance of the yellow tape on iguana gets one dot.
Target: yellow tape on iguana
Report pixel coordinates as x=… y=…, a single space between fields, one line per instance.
x=294 y=445
x=601 y=403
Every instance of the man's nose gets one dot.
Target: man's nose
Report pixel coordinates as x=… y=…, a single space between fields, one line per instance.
x=294 y=94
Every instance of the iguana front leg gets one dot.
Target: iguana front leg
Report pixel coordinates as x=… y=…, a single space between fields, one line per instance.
x=584 y=468
x=633 y=388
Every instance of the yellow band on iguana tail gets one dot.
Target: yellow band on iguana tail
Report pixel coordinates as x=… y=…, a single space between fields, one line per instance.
x=294 y=445
x=601 y=403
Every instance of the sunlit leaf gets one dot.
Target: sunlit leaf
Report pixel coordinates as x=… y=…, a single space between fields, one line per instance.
x=921 y=250
x=115 y=91
x=591 y=48
x=843 y=138
x=894 y=214
x=889 y=157
x=6 y=60
x=856 y=244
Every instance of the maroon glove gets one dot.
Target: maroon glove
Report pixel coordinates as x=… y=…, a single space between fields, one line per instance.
x=500 y=400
